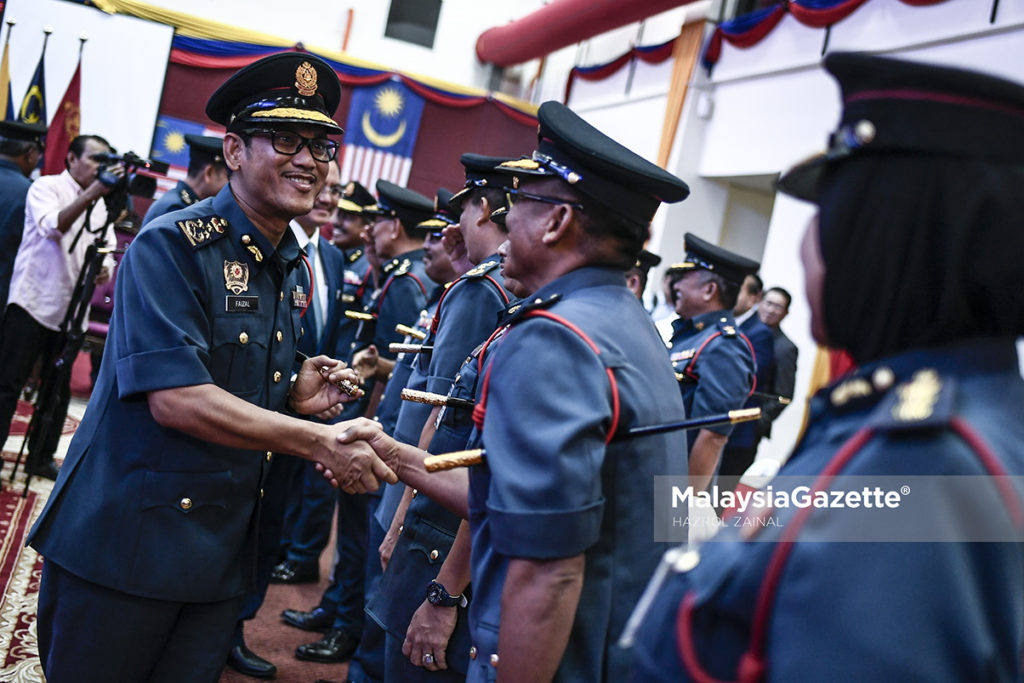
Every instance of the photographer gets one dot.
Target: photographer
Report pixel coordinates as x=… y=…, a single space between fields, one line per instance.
x=45 y=272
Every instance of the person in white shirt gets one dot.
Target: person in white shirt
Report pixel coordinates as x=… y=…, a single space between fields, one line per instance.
x=45 y=273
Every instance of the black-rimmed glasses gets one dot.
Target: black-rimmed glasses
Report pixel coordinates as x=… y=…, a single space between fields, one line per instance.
x=289 y=143
x=512 y=195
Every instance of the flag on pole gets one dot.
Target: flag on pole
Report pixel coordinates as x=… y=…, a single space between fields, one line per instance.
x=6 y=101
x=65 y=126
x=383 y=122
x=169 y=146
x=33 y=105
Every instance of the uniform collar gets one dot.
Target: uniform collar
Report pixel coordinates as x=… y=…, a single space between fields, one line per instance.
x=581 y=278
x=241 y=231
x=187 y=194
x=864 y=387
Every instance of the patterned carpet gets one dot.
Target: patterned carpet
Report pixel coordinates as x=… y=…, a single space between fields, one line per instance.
x=20 y=569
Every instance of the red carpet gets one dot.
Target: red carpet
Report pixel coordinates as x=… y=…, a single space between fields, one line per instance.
x=23 y=415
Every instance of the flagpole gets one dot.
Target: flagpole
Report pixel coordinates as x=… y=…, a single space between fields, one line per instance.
x=10 y=27
x=81 y=44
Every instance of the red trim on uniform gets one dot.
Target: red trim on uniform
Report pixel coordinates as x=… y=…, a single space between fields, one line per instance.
x=753 y=378
x=480 y=409
x=990 y=462
x=501 y=290
x=384 y=289
x=437 y=311
x=684 y=641
x=773 y=574
x=688 y=370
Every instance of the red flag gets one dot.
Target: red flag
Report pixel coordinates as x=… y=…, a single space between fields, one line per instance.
x=65 y=125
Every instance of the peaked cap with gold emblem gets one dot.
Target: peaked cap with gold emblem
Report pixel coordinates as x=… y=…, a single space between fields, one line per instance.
x=597 y=166
x=355 y=198
x=442 y=217
x=707 y=256
x=289 y=87
x=399 y=202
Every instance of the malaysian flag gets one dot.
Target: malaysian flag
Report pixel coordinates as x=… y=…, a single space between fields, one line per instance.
x=170 y=147
x=383 y=122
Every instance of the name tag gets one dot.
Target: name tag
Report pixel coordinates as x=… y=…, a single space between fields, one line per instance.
x=682 y=355
x=241 y=304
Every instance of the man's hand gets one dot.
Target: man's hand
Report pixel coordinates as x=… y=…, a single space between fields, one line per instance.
x=455 y=246
x=364 y=362
x=98 y=188
x=429 y=632
x=315 y=391
x=370 y=431
x=352 y=465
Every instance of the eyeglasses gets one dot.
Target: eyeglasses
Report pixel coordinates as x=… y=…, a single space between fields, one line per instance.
x=337 y=191
x=512 y=195
x=287 y=142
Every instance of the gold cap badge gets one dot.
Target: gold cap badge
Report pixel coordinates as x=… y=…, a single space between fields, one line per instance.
x=305 y=79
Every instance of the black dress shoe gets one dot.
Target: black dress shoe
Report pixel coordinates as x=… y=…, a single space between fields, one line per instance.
x=335 y=646
x=290 y=571
x=245 y=661
x=317 y=620
x=46 y=471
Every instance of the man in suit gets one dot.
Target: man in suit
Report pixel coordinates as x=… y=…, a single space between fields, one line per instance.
x=773 y=309
x=742 y=445
x=292 y=487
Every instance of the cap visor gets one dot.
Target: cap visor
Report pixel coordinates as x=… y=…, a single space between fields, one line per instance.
x=802 y=180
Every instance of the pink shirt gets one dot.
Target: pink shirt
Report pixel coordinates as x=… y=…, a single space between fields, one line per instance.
x=45 y=273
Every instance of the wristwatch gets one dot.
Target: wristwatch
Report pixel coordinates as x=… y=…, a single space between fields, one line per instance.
x=438 y=596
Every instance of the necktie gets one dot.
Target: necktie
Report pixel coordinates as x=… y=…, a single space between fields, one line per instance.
x=318 y=313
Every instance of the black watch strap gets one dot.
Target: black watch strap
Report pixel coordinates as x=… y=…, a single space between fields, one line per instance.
x=438 y=596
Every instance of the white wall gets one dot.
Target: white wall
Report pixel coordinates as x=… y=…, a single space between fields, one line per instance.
x=123 y=66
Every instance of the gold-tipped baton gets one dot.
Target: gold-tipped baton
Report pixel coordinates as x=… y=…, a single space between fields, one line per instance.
x=410 y=348
x=407 y=331
x=359 y=315
x=448 y=461
x=433 y=399
x=764 y=396
x=343 y=384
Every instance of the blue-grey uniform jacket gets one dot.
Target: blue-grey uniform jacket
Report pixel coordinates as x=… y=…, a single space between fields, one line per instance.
x=551 y=487
x=930 y=608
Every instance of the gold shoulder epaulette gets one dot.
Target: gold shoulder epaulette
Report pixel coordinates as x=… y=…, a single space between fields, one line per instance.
x=204 y=230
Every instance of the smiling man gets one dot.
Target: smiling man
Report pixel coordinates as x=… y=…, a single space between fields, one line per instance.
x=150 y=532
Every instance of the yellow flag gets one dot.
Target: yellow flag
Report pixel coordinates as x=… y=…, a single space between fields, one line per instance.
x=5 y=85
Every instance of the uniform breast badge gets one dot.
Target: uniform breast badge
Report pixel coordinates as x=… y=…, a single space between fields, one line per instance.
x=236 y=276
x=236 y=280
x=299 y=297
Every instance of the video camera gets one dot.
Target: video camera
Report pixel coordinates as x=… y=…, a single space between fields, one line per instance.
x=132 y=182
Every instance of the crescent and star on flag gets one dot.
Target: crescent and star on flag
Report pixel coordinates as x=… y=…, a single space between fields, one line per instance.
x=389 y=103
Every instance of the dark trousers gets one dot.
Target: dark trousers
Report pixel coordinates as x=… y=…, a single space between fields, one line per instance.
x=88 y=632
x=310 y=525
x=367 y=664
x=275 y=494
x=345 y=597
x=22 y=342
x=735 y=461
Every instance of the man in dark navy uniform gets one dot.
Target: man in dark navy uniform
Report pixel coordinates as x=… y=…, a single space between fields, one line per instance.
x=21 y=145
x=560 y=512
x=205 y=177
x=714 y=361
x=911 y=267
x=150 y=532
